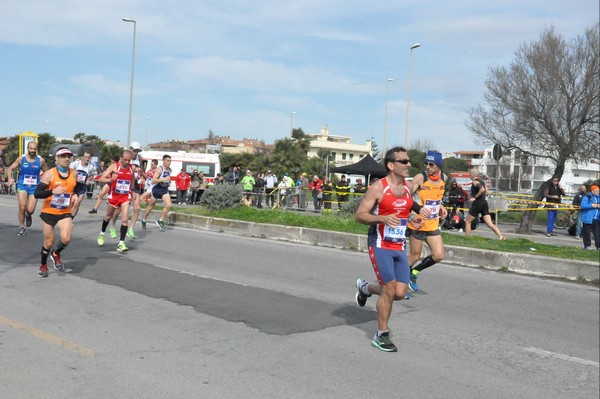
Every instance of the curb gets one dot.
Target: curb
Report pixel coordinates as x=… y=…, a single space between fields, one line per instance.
x=541 y=266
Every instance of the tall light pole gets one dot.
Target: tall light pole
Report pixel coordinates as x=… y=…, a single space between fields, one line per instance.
x=414 y=46
x=387 y=91
x=292 y=122
x=131 y=87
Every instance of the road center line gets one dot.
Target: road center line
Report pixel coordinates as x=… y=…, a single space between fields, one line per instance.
x=53 y=339
x=561 y=356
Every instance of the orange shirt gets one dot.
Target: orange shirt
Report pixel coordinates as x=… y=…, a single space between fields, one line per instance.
x=60 y=204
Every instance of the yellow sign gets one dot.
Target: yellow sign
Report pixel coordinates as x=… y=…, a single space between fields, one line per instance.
x=24 y=139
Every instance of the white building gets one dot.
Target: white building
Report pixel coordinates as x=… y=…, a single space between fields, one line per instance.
x=341 y=151
x=523 y=172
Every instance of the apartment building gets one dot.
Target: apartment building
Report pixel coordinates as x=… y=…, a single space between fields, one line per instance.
x=524 y=173
x=341 y=150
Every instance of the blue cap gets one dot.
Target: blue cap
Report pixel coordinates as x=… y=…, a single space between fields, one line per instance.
x=435 y=157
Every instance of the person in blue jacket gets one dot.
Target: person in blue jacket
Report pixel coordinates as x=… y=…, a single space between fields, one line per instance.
x=590 y=216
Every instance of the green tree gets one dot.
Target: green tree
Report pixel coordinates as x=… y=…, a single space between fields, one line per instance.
x=109 y=151
x=546 y=103
x=301 y=139
x=375 y=153
x=287 y=156
x=453 y=164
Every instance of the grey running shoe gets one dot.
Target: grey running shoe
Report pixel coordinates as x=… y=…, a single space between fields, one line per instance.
x=361 y=297
x=161 y=224
x=43 y=272
x=22 y=231
x=383 y=342
x=93 y=210
x=143 y=224
x=27 y=219
x=55 y=258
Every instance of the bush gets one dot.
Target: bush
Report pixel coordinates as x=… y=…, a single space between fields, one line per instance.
x=222 y=196
x=349 y=208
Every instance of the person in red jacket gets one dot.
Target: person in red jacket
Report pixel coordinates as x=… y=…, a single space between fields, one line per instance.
x=182 y=181
x=316 y=186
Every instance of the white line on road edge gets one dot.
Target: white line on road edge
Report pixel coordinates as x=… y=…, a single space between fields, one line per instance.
x=545 y=353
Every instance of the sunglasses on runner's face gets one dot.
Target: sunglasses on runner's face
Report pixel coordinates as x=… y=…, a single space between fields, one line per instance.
x=402 y=161
x=430 y=164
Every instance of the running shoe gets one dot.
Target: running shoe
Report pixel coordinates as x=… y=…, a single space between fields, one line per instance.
x=112 y=232
x=131 y=234
x=22 y=231
x=43 y=272
x=361 y=297
x=122 y=247
x=27 y=219
x=412 y=284
x=93 y=210
x=143 y=224
x=383 y=342
x=406 y=297
x=55 y=258
x=101 y=239
x=161 y=224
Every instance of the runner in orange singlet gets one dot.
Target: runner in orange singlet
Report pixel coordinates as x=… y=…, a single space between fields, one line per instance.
x=57 y=188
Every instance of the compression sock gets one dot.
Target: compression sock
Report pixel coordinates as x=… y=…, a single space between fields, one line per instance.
x=60 y=248
x=123 y=232
x=45 y=253
x=424 y=264
x=104 y=225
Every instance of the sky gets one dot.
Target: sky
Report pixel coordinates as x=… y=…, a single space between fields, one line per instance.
x=255 y=69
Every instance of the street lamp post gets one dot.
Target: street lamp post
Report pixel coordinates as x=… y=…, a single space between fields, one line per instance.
x=387 y=90
x=131 y=87
x=292 y=122
x=414 y=46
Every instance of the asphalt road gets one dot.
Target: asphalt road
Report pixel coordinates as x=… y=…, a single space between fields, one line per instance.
x=193 y=314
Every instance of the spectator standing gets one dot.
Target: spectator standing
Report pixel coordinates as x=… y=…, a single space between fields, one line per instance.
x=304 y=188
x=327 y=190
x=577 y=202
x=553 y=193
x=270 y=187
x=248 y=183
x=194 y=187
x=590 y=207
x=289 y=182
x=359 y=188
x=183 y=182
x=316 y=187
x=259 y=189
x=342 y=188
x=218 y=180
x=231 y=176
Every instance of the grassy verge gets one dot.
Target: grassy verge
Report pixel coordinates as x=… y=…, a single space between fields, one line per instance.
x=348 y=225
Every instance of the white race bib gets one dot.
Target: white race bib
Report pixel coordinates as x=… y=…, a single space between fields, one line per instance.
x=81 y=176
x=60 y=201
x=434 y=208
x=123 y=186
x=395 y=234
x=30 y=180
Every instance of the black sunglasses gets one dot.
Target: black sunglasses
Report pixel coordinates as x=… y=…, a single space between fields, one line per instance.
x=431 y=164
x=402 y=161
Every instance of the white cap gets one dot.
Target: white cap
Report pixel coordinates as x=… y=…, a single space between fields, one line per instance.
x=135 y=145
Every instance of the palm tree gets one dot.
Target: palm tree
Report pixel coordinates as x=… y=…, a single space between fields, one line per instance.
x=301 y=139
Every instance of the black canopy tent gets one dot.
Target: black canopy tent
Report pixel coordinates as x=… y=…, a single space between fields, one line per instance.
x=367 y=167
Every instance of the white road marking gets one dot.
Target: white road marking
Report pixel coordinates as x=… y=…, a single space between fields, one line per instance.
x=561 y=356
